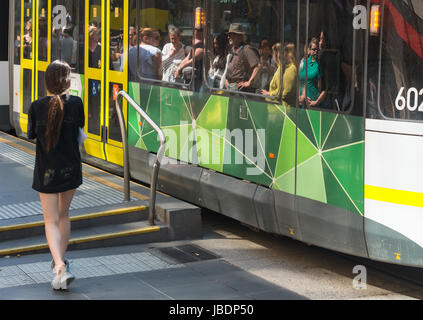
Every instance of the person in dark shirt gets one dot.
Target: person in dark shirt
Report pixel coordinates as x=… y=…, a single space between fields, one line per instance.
x=55 y=121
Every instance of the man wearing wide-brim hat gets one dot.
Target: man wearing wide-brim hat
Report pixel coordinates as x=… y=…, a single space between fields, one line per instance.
x=243 y=62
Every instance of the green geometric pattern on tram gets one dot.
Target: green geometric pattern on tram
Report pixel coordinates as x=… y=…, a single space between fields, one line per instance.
x=214 y=115
x=150 y=98
x=345 y=130
x=310 y=179
x=286 y=155
x=333 y=175
x=286 y=182
x=269 y=119
x=174 y=110
x=211 y=131
x=134 y=129
x=335 y=194
x=239 y=157
x=197 y=102
x=327 y=120
x=344 y=163
x=305 y=148
x=314 y=118
x=304 y=125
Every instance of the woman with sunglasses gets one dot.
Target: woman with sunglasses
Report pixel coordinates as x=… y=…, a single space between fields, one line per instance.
x=311 y=78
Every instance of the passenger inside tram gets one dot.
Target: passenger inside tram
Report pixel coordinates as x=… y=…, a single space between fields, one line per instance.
x=94 y=47
x=311 y=92
x=287 y=65
x=173 y=54
x=243 y=64
x=195 y=55
x=218 y=61
x=132 y=36
x=68 y=47
x=150 y=57
x=27 y=40
x=267 y=66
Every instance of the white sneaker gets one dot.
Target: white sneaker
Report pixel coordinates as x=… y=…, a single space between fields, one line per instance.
x=62 y=282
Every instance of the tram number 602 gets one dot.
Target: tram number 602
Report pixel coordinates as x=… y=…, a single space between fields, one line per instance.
x=411 y=100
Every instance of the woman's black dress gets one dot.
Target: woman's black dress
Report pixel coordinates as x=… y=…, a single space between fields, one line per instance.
x=61 y=169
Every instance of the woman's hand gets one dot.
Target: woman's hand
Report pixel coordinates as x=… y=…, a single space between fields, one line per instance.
x=312 y=103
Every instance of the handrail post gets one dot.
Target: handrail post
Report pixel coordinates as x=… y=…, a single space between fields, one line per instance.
x=159 y=156
x=126 y=178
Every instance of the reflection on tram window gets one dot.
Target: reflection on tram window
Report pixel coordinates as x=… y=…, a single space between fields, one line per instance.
x=396 y=54
x=27 y=36
x=94 y=35
x=67 y=35
x=42 y=42
x=331 y=68
x=239 y=52
x=17 y=37
x=162 y=50
x=94 y=47
x=116 y=35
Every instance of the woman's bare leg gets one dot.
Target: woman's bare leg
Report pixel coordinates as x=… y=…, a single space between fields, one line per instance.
x=50 y=205
x=65 y=199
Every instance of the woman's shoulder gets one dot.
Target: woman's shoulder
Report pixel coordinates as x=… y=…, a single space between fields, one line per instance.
x=35 y=105
x=72 y=101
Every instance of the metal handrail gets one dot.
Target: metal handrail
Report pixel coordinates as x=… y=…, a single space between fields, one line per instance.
x=160 y=153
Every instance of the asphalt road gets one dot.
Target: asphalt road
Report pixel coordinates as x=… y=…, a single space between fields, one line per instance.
x=309 y=271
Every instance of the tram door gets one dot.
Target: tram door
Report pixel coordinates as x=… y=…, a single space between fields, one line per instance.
x=106 y=40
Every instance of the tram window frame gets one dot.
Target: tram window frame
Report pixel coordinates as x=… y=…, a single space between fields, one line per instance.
x=242 y=94
x=380 y=55
x=168 y=84
x=354 y=74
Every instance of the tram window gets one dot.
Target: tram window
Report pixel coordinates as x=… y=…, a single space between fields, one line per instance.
x=67 y=37
x=332 y=63
x=42 y=42
x=162 y=51
x=116 y=35
x=396 y=55
x=245 y=46
x=27 y=36
x=17 y=37
x=94 y=34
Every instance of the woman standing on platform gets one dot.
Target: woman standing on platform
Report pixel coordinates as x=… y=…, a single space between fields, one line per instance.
x=55 y=121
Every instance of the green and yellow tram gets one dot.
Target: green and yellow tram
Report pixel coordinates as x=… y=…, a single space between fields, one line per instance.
x=335 y=166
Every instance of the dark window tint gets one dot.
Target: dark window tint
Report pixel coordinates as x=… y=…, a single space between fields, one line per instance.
x=396 y=54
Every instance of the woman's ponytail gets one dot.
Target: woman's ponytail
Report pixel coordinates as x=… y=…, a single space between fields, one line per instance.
x=54 y=122
x=57 y=81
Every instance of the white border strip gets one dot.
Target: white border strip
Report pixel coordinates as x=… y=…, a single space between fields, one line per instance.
x=393 y=126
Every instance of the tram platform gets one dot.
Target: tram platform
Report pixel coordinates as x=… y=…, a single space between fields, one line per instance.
x=99 y=215
x=113 y=252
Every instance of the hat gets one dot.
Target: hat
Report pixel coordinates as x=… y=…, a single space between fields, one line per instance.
x=236 y=28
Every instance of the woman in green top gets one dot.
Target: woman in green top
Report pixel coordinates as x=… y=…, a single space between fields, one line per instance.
x=315 y=94
x=289 y=75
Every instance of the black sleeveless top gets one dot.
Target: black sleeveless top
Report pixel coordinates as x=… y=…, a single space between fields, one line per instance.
x=60 y=169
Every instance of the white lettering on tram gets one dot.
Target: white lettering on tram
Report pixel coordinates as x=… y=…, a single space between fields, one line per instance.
x=360 y=19
x=409 y=99
x=207 y=147
x=59 y=20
